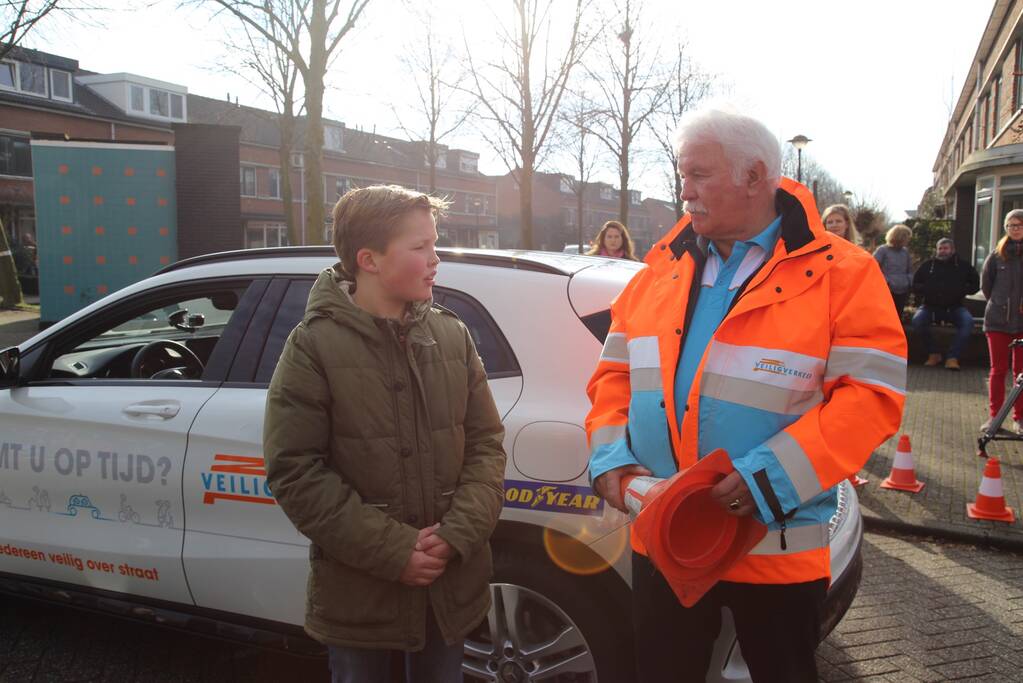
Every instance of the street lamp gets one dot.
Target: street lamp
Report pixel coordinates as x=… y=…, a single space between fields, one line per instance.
x=848 y=197
x=799 y=142
x=479 y=206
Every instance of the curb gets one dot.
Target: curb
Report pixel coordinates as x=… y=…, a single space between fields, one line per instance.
x=980 y=537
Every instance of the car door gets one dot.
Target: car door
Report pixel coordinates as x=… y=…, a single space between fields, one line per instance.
x=241 y=552
x=92 y=456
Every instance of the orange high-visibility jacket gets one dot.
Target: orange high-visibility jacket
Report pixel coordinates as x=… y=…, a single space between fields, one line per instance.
x=810 y=360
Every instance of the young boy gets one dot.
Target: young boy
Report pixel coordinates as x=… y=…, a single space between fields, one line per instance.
x=384 y=447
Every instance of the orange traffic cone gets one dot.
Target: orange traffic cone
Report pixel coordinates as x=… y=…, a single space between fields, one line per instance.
x=990 y=503
x=858 y=481
x=903 y=476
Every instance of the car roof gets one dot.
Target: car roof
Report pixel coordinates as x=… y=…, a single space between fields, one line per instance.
x=297 y=260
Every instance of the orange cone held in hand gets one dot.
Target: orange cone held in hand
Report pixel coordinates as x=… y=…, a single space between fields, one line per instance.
x=858 y=481
x=990 y=502
x=903 y=476
x=689 y=537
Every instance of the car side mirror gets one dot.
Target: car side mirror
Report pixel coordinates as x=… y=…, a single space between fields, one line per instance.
x=186 y=322
x=10 y=362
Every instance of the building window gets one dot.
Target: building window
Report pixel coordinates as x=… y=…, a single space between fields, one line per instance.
x=32 y=78
x=566 y=185
x=274 y=190
x=996 y=96
x=15 y=156
x=606 y=193
x=442 y=161
x=1017 y=85
x=7 y=72
x=60 y=85
x=258 y=235
x=158 y=103
x=467 y=164
x=138 y=98
x=177 y=106
x=477 y=204
x=634 y=197
x=248 y=181
x=567 y=216
x=332 y=138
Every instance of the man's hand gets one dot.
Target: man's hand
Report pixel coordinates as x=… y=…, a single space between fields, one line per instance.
x=730 y=489
x=433 y=545
x=421 y=569
x=609 y=485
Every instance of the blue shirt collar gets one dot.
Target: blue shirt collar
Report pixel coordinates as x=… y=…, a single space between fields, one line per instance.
x=765 y=239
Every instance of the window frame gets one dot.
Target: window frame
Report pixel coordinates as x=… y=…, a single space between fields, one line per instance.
x=255 y=187
x=46 y=86
x=70 y=85
x=14 y=75
x=13 y=138
x=132 y=88
x=274 y=181
x=332 y=133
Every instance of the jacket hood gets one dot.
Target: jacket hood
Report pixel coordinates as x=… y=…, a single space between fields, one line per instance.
x=331 y=297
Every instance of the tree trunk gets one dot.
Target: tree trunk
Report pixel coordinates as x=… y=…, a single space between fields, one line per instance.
x=623 y=183
x=679 y=210
x=526 y=205
x=579 y=218
x=287 y=193
x=10 y=288
x=313 y=80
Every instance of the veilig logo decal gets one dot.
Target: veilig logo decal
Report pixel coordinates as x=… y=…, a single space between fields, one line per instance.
x=240 y=478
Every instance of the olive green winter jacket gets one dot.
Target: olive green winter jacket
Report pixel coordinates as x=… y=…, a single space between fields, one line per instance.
x=374 y=430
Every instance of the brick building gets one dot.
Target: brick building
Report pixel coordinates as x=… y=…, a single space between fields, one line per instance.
x=556 y=208
x=979 y=168
x=229 y=169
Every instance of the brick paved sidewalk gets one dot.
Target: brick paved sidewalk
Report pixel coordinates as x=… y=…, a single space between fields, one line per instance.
x=944 y=410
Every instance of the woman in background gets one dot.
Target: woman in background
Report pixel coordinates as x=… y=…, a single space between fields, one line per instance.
x=838 y=219
x=896 y=264
x=613 y=240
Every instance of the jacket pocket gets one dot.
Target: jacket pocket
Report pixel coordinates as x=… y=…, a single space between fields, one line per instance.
x=345 y=595
x=469 y=579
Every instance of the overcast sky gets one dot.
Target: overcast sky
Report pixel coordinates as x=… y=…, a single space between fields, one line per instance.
x=871 y=82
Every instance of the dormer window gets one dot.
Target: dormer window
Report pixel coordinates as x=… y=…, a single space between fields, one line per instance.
x=60 y=85
x=32 y=78
x=159 y=103
x=467 y=164
x=138 y=98
x=606 y=193
x=7 y=73
x=566 y=186
x=333 y=138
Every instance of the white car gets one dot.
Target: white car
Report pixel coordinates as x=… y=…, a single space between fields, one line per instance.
x=132 y=480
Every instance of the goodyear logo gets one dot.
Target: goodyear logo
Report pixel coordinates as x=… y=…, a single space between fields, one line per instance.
x=534 y=495
x=777 y=367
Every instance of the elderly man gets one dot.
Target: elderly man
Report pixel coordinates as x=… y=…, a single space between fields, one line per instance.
x=753 y=330
x=943 y=282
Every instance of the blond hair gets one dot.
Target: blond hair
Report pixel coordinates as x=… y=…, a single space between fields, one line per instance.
x=369 y=218
x=628 y=247
x=851 y=233
x=898 y=236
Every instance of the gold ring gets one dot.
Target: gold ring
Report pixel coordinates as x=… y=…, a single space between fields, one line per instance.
x=734 y=505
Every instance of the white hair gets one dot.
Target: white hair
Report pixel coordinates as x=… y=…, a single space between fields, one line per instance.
x=744 y=139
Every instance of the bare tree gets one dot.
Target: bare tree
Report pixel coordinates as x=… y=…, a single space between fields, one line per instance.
x=576 y=120
x=519 y=93
x=264 y=65
x=686 y=87
x=826 y=188
x=431 y=65
x=19 y=17
x=632 y=83
x=311 y=43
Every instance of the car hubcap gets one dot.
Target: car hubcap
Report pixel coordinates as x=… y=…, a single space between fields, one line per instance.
x=526 y=637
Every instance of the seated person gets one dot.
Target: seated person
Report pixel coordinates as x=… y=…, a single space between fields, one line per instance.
x=943 y=282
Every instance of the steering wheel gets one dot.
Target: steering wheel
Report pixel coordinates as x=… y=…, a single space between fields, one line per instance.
x=193 y=367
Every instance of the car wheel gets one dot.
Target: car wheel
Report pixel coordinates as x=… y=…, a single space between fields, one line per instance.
x=548 y=625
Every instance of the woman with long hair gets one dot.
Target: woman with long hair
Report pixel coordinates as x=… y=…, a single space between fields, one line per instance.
x=897 y=264
x=613 y=240
x=838 y=219
x=1002 y=283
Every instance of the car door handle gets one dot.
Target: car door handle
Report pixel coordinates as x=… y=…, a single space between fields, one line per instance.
x=161 y=410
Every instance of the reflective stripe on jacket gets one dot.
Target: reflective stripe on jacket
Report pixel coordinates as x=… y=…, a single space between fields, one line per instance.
x=810 y=359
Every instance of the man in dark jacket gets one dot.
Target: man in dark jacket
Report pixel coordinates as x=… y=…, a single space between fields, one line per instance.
x=943 y=282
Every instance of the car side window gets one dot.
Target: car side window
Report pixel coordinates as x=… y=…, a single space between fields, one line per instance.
x=289 y=315
x=167 y=338
x=491 y=345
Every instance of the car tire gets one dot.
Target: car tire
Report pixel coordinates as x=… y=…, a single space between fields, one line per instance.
x=546 y=595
